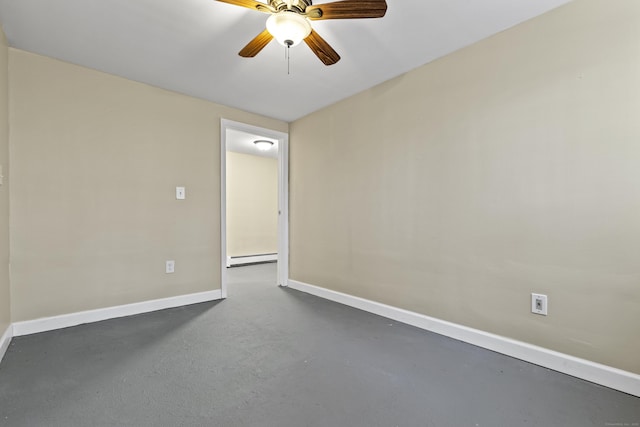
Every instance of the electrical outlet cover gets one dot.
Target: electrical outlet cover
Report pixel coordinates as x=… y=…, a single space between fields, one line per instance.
x=539 y=304
x=170 y=266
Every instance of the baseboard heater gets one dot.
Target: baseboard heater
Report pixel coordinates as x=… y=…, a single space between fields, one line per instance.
x=250 y=259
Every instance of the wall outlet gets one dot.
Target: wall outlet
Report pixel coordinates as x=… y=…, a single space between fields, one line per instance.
x=539 y=304
x=170 y=266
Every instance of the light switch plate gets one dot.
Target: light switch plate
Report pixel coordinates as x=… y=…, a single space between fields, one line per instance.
x=181 y=193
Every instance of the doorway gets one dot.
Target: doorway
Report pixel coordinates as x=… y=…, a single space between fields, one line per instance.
x=242 y=136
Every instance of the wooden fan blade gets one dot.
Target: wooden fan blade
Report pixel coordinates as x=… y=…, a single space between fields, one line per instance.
x=322 y=49
x=250 y=4
x=347 y=9
x=256 y=45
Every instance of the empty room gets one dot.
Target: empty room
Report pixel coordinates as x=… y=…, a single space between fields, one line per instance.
x=331 y=213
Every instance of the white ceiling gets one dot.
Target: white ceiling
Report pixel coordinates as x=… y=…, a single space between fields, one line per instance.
x=190 y=46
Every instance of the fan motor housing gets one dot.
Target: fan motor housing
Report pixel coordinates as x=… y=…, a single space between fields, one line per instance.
x=296 y=6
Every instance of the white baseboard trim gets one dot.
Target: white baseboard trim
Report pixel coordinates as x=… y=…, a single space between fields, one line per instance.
x=5 y=340
x=73 y=319
x=251 y=259
x=607 y=376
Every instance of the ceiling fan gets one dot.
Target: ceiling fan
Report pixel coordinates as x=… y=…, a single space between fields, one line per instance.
x=289 y=22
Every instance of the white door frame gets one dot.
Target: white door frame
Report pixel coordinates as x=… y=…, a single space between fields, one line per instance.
x=283 y=197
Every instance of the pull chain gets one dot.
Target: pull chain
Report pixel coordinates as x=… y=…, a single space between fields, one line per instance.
x=288 y=43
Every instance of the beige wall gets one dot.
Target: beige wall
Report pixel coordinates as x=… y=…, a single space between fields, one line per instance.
x=509 y=167
x=5 y=307
x=95 y=161
x=252 y=204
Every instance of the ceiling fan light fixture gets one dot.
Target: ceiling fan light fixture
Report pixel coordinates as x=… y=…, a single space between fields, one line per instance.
x=263 y=144
x=288 y=28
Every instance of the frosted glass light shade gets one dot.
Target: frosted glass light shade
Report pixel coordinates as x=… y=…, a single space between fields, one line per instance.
x=263 y=145
x=288 y=28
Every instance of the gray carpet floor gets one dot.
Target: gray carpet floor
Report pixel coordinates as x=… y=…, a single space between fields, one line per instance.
x=270 y=356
